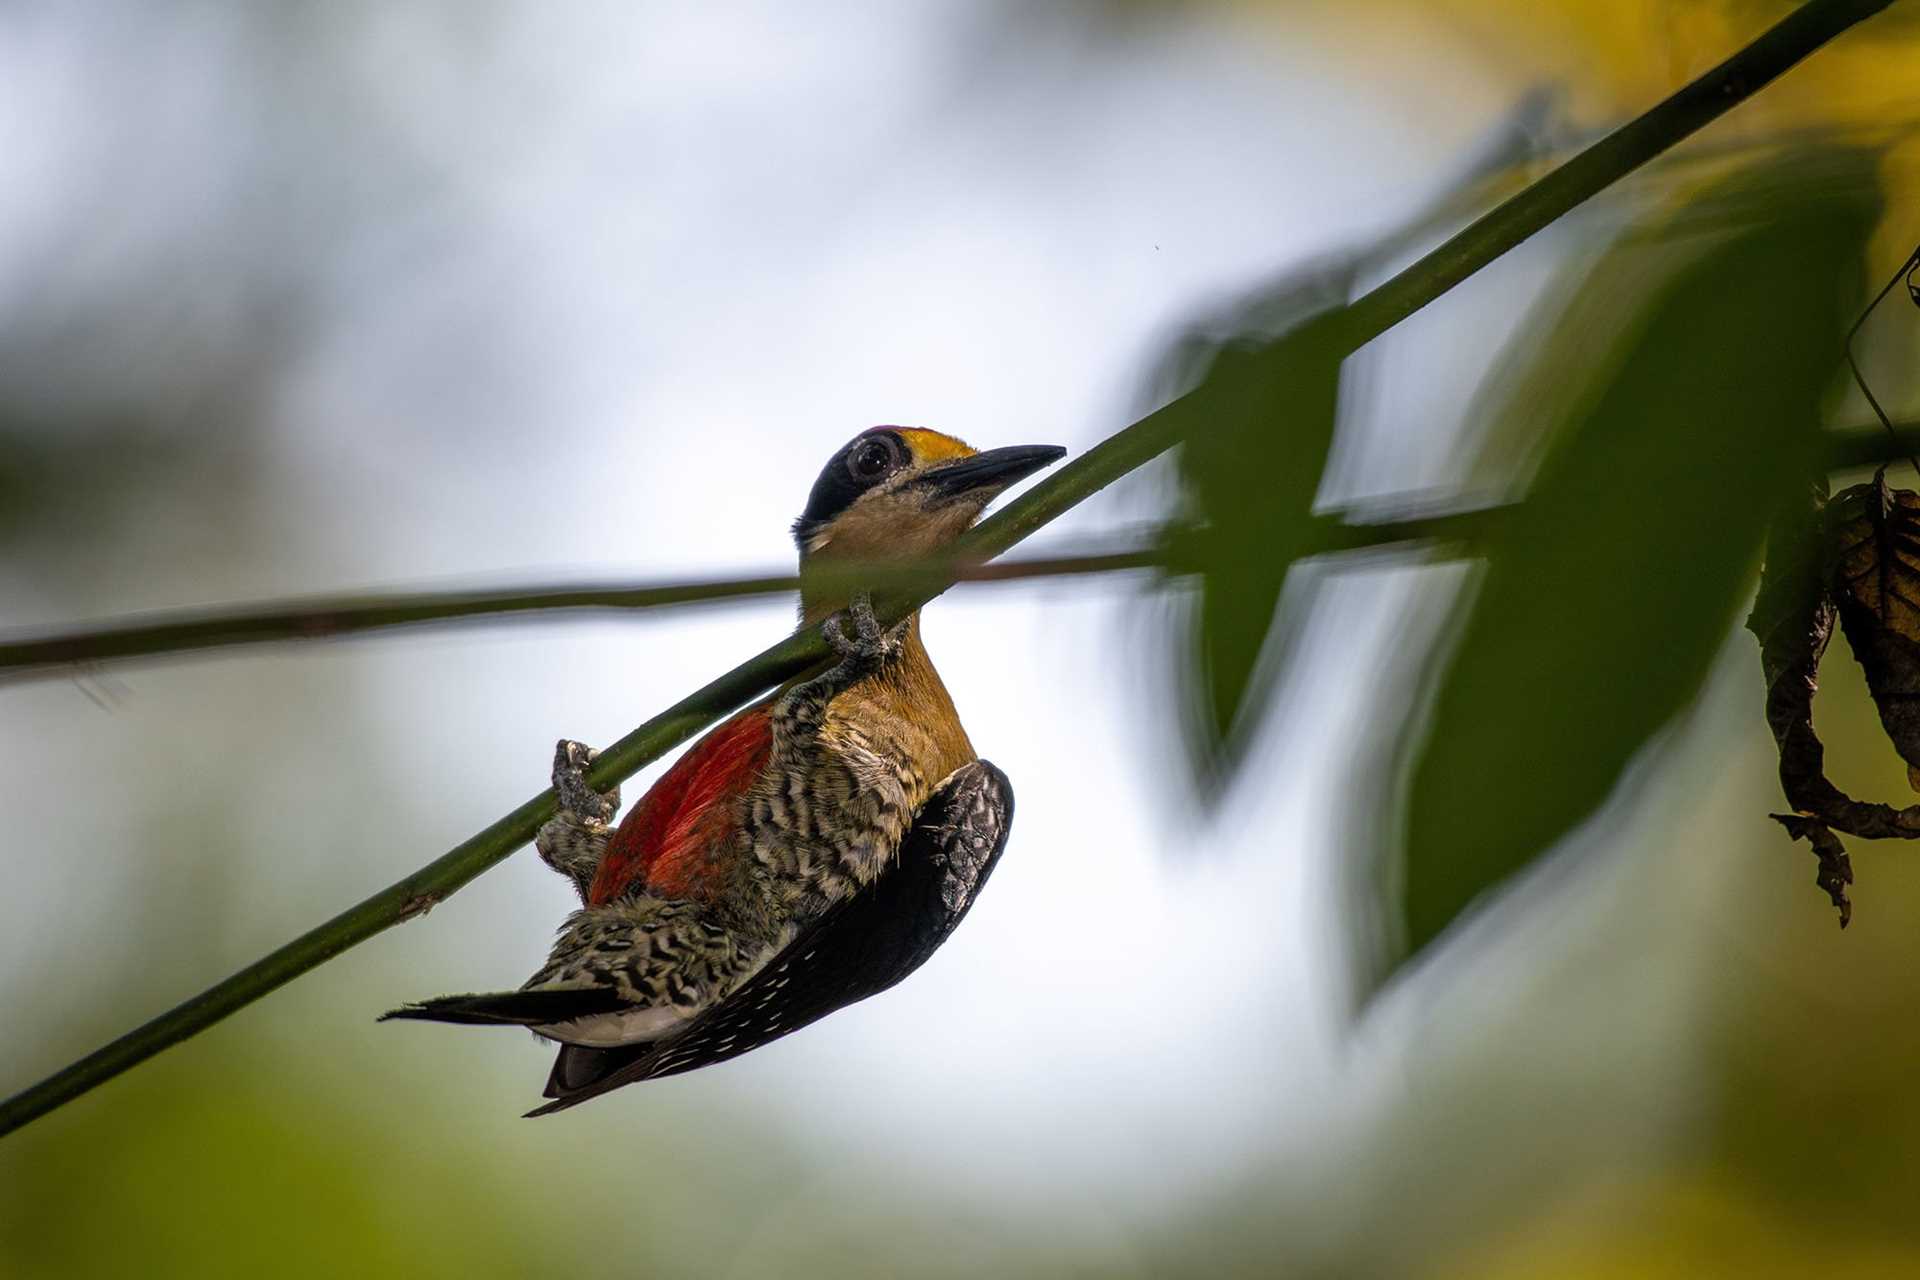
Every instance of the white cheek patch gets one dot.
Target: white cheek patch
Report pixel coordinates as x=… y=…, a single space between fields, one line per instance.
x=608 y=1030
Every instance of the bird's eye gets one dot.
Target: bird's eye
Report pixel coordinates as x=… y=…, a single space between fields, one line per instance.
x=874 y=459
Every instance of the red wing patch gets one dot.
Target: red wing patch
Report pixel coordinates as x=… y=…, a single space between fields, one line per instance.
x=662 y=845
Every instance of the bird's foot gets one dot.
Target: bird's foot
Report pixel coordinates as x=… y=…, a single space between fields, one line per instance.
x=864 y=646
x=570 y=761
x=573 y=840
x=857 y=636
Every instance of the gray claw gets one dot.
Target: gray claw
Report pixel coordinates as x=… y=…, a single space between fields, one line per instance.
x=868 y=642
x=570 y=761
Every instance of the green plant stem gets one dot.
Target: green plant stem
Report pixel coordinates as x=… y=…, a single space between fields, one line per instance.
x=1486 y=239
x=187 y=631
x=58 y=654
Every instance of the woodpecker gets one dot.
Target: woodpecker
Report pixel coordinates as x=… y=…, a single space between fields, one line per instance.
x=810 y=851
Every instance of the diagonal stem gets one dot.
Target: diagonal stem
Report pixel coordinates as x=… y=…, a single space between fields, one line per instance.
x=1487 y=238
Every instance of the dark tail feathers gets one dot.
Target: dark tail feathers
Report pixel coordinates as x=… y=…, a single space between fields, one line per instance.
x=510 y=1008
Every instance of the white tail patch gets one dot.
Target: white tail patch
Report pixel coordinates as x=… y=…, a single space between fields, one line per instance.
x=608 y=1030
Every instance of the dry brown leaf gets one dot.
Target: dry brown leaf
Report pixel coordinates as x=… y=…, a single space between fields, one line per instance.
x=1858 y=555
x=1876 y=582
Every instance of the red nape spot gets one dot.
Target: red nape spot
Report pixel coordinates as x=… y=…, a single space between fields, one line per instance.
x=662 y=845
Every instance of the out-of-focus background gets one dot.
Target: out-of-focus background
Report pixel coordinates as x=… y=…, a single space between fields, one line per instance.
x=308 y=297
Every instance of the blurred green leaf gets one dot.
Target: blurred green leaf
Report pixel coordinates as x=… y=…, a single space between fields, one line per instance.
x=1607 y=596
x=64 y=478
x=1257 y=431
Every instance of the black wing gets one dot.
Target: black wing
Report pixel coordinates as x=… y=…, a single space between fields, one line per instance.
x=858 y=948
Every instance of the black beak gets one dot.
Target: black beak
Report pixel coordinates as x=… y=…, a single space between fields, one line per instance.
x=994 y=469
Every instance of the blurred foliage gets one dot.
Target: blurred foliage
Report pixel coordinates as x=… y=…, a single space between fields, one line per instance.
x=1676 y=399
x=1609 y=591
x=1799 y=1159
x=298 y=1188
x=55 y=490
x=1617 y=53
x=1613 y=59
x=1621 y=53
x=1257 y=431
x=1260 y=399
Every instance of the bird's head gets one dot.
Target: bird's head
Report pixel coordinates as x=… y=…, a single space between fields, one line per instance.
x=897 y=493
